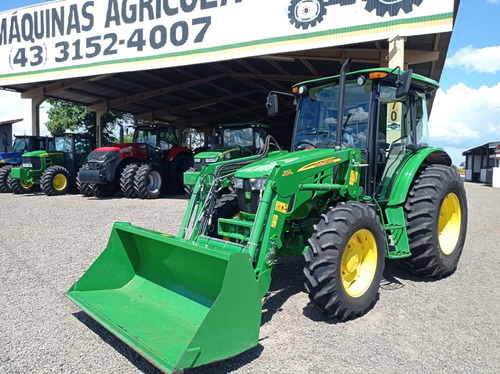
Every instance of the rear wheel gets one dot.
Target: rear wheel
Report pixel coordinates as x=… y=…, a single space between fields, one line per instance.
x=345 y=261
x=176 y=169
x=86 y=189
x=5 y=179
x=436 y=215
x=55 y=181
x=147 y=182
x=127 y=181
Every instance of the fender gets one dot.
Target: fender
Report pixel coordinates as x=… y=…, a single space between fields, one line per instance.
x=176 y=150
x=429 y=155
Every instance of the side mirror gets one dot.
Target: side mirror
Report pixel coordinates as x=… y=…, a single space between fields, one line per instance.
x=403 y=84
x=272 y=104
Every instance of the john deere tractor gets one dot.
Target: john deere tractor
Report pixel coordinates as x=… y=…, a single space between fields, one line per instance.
x=22 y=144
x=152 y=163
x=360 y=185
x=232 y=141
x=53 y=170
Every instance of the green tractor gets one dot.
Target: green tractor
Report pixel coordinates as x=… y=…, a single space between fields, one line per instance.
x=231 y=142
x=53 y=170
x=360 y=185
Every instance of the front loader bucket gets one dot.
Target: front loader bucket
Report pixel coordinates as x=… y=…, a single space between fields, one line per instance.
x=176 y=303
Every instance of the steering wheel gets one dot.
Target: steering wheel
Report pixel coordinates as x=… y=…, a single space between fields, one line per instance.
x=303 y=145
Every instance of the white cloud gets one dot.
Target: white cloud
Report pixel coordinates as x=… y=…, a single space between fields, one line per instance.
x=463 y=118
x=492 y=1
x=13 y=107
x=483 y=60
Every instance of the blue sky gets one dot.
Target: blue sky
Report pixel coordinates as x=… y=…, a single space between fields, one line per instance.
x=466 y=111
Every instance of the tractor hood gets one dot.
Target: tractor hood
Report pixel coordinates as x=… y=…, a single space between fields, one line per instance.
x=6 y=157
x=40 y=153
x=215 y=152
x=306 y=159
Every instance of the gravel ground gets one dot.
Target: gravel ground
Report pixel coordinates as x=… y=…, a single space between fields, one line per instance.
x=417 y=326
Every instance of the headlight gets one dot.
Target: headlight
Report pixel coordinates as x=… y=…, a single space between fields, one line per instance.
x=211 y=160
x=2 y=161
x=197 y=160
x=257 y=183
x=238 y=183
x=27 y=165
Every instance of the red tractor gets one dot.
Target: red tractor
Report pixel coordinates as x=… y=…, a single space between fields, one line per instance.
x=151 y=164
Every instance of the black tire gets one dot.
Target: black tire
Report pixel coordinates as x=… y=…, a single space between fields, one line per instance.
x=5 y=179
x=19 y=187
x=436 y=218
x=86 y=189
x=105 y=190
x=391 y=6
x=176 y=169
x=305 y=13
x=348 y=242
x=127 y=181
x=225 y=207
x=148 y=182
x=55 y=181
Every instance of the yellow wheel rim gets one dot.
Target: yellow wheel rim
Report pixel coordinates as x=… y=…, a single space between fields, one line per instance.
x=450 y=219
x=359 y=263
x=60 y=182
x=26 y=185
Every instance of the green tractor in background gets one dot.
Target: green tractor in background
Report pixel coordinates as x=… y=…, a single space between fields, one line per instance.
x=231 y=141
x=360 y=185
x=53 y=170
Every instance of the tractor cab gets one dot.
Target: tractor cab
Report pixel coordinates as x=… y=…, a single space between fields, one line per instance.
x=160 y=139
x=72 y=150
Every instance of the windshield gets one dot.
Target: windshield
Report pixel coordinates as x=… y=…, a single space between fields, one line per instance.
x=317 y=117
x=238 y=137
x=149 y=136
x=63 y=143
x=20 y=145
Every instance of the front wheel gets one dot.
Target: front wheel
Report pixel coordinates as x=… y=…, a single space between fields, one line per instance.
x=5 y=179
x=19 y=186
x=127 y=181
x=147 y=182
x=436 y=216
x=86 y=189
x=55 y=181
x=345 y=261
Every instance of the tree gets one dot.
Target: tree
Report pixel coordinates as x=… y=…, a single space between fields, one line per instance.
x=66 y=116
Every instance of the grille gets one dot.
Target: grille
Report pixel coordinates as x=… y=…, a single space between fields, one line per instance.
x=248 y=200
x=34 y=161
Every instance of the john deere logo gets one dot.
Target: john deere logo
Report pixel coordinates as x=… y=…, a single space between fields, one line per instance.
x=305 y=13
x=248 y=195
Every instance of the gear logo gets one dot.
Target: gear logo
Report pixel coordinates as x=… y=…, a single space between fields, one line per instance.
x=308 y=13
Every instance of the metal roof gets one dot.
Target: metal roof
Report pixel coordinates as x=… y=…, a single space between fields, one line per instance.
x=232 y=91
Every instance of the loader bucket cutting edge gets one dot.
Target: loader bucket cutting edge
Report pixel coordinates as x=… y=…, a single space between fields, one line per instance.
x=177 y=303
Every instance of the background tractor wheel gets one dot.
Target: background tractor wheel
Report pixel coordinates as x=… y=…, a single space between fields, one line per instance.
x=176 y=169
x=391 y=6
x=147 y=182
x=345 y=261
x=55 y=181
x=105 y=190
x=127 y=181
x=305 y=13
x=5 y=179
x=19 y=187
x=225 y=207
x=86 y=189
x=436 y=216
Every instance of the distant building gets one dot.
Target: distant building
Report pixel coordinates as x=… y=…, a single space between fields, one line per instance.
x=482 y=164
x=6 y=134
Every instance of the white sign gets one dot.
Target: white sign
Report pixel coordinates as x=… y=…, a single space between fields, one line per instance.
x=72 y=38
